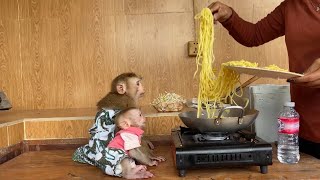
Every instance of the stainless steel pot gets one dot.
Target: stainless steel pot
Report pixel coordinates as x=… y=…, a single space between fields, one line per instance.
x=228 y=119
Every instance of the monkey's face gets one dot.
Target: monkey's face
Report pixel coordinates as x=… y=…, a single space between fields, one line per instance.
x=138 y=120
x=135 y=88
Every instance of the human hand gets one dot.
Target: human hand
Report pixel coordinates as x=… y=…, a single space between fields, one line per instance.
x=311 y=76
x=220 y=11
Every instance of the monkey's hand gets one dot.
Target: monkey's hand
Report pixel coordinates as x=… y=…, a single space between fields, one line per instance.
x=158 y=158
x=142 y=157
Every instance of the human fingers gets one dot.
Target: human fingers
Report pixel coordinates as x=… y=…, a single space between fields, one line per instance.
x=313 y=84
x=220 y=11
x=214 y=7
x=316 y=87
x=309 y=78
x=315 y=66
x=311 y=81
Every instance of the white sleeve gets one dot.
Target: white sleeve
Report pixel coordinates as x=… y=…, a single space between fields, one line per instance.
x=131 y=141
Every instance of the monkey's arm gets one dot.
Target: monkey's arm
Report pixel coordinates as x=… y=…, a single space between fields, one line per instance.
x=148 y=152
x=146 y=143
x=142 y=157
x=136 y=151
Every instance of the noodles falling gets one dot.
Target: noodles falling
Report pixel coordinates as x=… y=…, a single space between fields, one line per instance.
x=215 y=91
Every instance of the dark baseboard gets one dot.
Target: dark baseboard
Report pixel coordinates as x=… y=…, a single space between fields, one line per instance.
x=13 y=151
x=53 y=144
x=10 y=152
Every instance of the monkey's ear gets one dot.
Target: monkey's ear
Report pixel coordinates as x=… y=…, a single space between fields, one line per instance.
x=121 y=88
x=125 y=124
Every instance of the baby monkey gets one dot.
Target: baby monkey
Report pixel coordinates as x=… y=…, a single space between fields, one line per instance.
x=128 y=139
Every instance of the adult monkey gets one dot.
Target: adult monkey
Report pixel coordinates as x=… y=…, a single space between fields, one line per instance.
x=126 y=90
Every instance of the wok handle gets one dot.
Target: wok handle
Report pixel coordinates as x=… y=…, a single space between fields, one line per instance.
x=240 y=117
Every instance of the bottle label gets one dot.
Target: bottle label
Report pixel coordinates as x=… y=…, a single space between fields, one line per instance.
x=288 y=125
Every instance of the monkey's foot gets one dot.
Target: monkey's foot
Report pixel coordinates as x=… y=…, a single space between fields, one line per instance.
x=138 y=172
x=153 y=163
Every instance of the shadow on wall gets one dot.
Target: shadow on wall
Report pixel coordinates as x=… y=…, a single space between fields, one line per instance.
x=4 y=102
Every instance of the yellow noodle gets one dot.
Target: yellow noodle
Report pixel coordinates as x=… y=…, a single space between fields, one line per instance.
x=215 y=90
x=275 y=68
x=232 y=78
x=242 y=63
x=205 y=58
x=223 y=87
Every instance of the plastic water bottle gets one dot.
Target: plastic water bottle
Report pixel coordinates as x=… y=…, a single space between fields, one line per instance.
x=288 y=130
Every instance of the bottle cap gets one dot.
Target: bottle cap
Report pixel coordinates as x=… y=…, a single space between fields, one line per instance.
x=289 y=104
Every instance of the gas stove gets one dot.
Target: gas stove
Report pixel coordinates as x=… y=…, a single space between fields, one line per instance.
x=196 y=150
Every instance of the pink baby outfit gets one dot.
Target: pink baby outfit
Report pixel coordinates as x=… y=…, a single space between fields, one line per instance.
x=127 y=139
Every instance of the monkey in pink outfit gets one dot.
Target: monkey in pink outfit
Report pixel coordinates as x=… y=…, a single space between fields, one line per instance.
x=131 y=121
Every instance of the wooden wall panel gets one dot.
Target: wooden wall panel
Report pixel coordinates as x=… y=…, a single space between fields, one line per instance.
x=69 y=129
x=58 y=54
x=163 y=59
x=227 y=49
x=10 y=65
x=71 y=124
x=62 y=129
x=3 y=137
x=65 y=53
x=15 y=133
x=157 y=6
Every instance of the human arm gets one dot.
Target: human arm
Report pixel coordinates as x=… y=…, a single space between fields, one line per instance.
x=311 y=76
x=247 y=33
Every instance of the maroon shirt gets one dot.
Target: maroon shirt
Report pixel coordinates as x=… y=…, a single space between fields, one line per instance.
x=299 y=21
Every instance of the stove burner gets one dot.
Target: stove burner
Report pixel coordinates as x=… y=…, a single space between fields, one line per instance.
x=194 y=150
x=194 y=138
x=210 y=137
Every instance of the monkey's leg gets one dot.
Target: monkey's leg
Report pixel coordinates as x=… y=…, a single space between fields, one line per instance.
x=132 y=171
